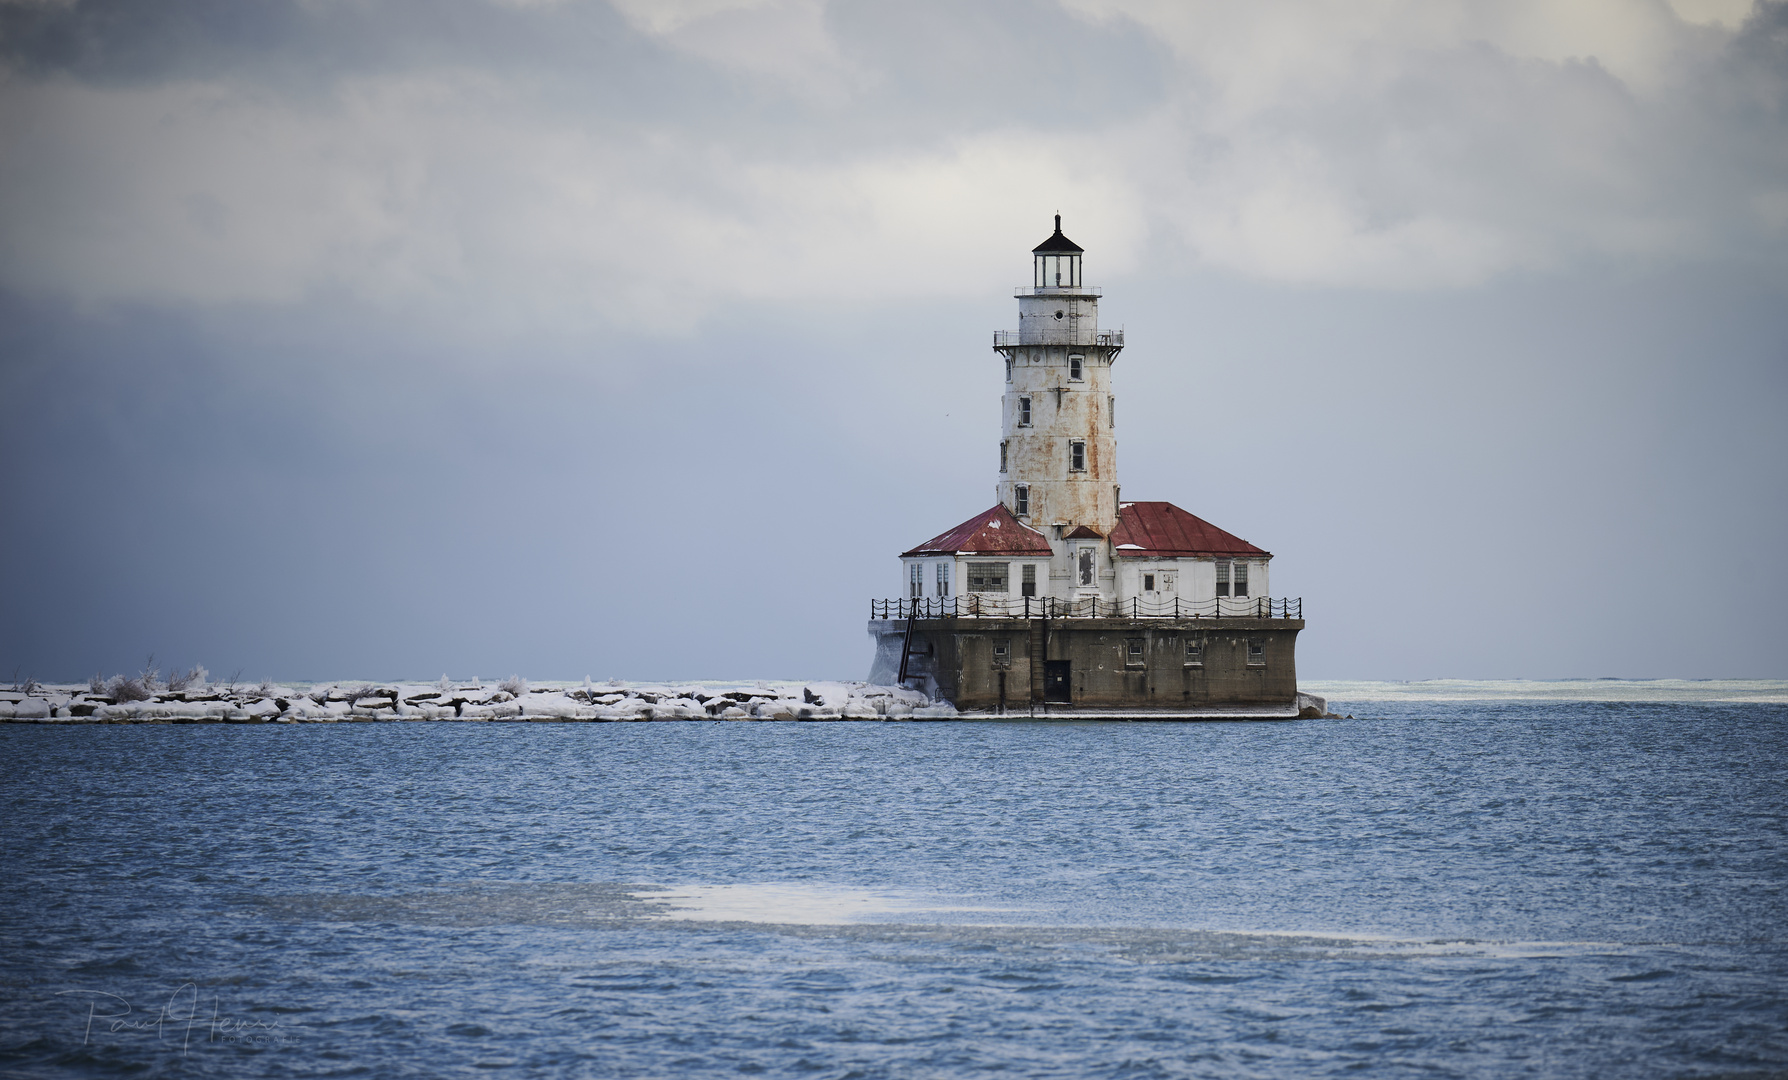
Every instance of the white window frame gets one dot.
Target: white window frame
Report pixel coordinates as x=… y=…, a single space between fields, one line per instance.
x=943 y=579
x=1076 y=369
x=1077 y=455
x=1024 y=412
x=1021 y=500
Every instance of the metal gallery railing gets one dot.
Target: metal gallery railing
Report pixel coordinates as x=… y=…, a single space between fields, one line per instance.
x=1109 y=339
x=996 y=606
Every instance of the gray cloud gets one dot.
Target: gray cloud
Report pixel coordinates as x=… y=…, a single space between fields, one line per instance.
x=516 y=329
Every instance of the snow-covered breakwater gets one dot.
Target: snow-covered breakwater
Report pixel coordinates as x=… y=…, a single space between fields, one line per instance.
x=372 y=702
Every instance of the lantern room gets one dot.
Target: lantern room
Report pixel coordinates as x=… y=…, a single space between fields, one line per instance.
x=1056 y=262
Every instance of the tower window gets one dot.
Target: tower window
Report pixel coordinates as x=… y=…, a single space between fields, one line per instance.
x=1024 y=412
x=1027 y=585
x=1111 y=411
x=1021 y=500
x=1002 y=457
x=1077 y=456
x=1008 y=369
x=1076 y=368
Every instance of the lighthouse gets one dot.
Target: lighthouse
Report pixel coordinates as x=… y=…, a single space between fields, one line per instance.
x=1062 y=596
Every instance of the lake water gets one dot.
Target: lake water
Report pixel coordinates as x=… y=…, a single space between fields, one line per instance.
x=1473 y=880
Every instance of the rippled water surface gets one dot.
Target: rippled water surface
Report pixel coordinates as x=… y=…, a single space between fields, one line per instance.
x=1445 y=886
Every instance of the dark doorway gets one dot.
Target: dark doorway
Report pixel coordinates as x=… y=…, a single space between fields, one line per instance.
x=1055 y=681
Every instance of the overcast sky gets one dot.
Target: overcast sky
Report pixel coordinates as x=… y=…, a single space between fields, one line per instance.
x=343 y=339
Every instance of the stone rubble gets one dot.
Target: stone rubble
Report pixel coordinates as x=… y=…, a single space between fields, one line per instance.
x=364 y=703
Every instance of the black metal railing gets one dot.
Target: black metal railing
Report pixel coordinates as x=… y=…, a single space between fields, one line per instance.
x=1110 y=339
x=996 y=606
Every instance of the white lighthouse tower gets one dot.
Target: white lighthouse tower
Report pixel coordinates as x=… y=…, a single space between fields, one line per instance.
x=1058 y=446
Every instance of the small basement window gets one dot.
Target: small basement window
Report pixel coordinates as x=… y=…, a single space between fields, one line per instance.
x=1257 y=654
x=1077 y=456
x=1133 y=652
x=987 y=577
x=1021 y=500
x=1076 y=368
x=1194 y=654
x=1024 y=412
x=1002 y=652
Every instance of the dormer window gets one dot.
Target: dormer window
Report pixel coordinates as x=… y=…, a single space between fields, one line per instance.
x=1076 y=368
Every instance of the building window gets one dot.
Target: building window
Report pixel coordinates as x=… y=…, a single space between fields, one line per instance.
x=1077 y=456
x=1194 y=653
x=1111 y=411
x=1148 y=583
x=943 y=579
x=1232 y=577
x=1027 y=585
x=1002 y=653
x=1024 y=412
x=1257 y=654
x=1133 y=653
x=1076 y=368
x=1084 y=566
x=915 y=580
x=1021 y=500
x=987 y=577
x=1008 y=369
x=1002 y=457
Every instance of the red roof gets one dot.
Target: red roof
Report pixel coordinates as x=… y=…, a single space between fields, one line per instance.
x=1084 y=532
x=992 y=532
x=1161 y=529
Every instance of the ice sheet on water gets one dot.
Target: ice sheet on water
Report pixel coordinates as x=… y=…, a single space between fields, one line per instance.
x=1711 y=691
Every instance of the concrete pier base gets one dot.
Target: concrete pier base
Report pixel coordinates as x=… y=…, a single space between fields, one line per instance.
x=1109 y=668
